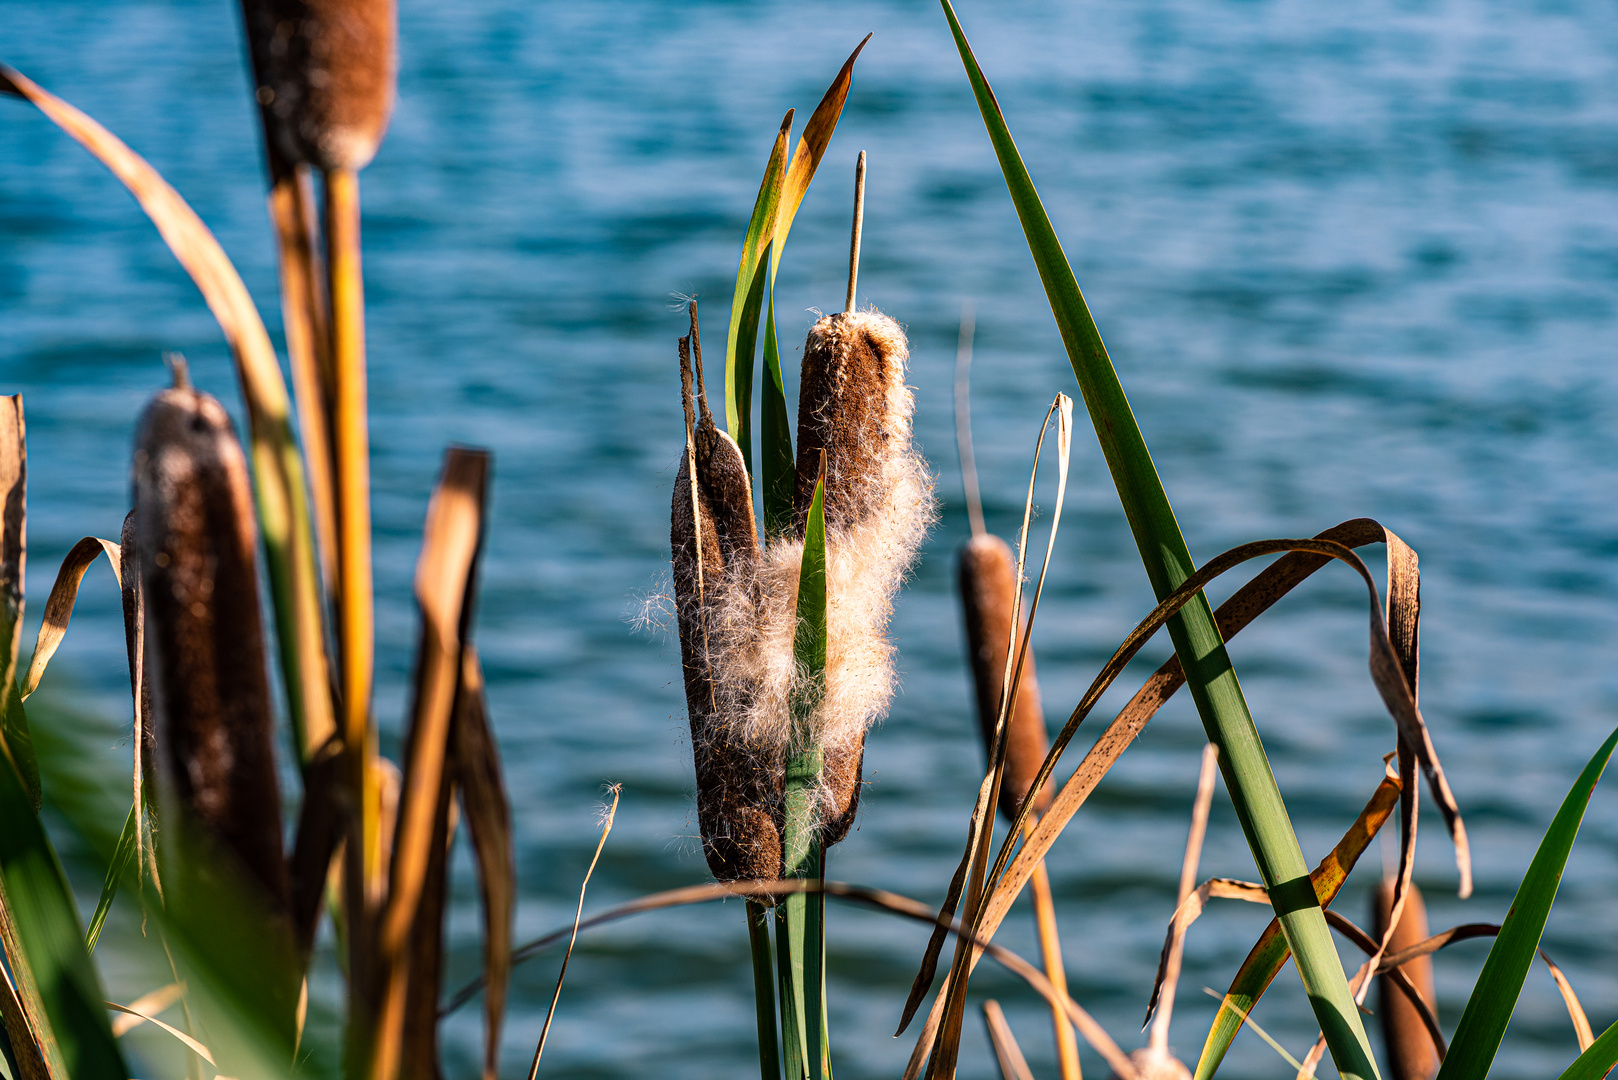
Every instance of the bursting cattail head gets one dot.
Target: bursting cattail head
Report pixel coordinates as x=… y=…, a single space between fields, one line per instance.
x=988 y=579
x=324 y=74
x=204 y=640
x=738 y=606
x=853 y=404
x=715 y=548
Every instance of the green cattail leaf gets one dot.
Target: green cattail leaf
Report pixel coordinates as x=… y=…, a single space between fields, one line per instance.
x=809 y=645
x=121 y=856
x=1597 y=1060
x=775 y=435
x=799 y=923
x=1167 y=560
x=1494 y=995
x=749 y=297
x=39 y=904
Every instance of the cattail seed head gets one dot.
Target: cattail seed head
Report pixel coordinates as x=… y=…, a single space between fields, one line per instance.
x=1411 y=1054
x=324 y=74
x=205 y=660
x=715 y=547
x=738 y=619
x=988 y=579
x=854 y=406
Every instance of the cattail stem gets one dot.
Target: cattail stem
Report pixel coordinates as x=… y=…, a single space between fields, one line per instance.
x=364 y=872
x=1050 y=950
x=303 y=315
x=854 y=239
x=758 y=940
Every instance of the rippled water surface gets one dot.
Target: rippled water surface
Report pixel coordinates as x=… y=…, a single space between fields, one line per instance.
x=1350 y=260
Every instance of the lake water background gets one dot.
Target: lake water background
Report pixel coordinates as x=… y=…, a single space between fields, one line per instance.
x=1350 y=260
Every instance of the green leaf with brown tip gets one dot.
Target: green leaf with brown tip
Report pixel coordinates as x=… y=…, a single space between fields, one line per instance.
x=1209 y=674
x=749 y=297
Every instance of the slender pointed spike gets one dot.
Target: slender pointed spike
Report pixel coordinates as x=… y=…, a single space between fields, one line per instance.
x=854 y=238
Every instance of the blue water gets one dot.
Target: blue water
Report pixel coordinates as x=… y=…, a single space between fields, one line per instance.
x=1350 y=260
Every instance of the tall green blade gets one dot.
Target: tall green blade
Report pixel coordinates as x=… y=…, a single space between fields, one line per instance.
x=121 y=857
x=800 y=917
x=1163 y=551
x=758 y=940
x=40 y=906
x=1494 y=995
x=775 y=435
x=1597 y=1061
x=749 y=297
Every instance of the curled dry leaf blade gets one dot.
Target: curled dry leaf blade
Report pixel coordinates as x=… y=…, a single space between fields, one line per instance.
x=1245 y=605
x=445 y=584
x=145 y=1017
x=277 y=463
x=481 y=783
x=1575 y=1010
x=150 y=1003
x=1012 y=665
x=59 y=606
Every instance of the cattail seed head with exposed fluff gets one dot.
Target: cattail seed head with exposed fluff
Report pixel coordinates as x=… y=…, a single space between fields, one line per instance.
x=988 y=579
x=324 y=74
x=205 y=657
x=853 y=404
x=715 y=547
x=739 y=620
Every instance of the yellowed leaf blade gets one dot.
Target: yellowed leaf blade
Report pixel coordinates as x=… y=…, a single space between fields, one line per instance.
x=59 y=607
x=277 y=464
x=482 y=786
x=445 y=580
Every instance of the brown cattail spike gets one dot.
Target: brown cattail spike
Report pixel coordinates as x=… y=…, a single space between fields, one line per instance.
x=854 y=406
x=324 y=73
x=1411 y=1054
x=205 y=658
x=988 y=573
x=715 y=547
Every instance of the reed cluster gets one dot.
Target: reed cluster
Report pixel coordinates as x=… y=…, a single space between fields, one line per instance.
x=788 y=547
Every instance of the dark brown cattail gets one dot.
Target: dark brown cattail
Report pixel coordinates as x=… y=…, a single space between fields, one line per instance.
x=1411 y=1054
x=988 y=574
x=205 y=658
x=715 y=547
x=324 y=73
x=853 y=404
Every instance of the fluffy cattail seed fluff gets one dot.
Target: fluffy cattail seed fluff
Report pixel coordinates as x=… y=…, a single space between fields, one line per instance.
x=324 y=73
x=205 y=657
x=988 y=575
